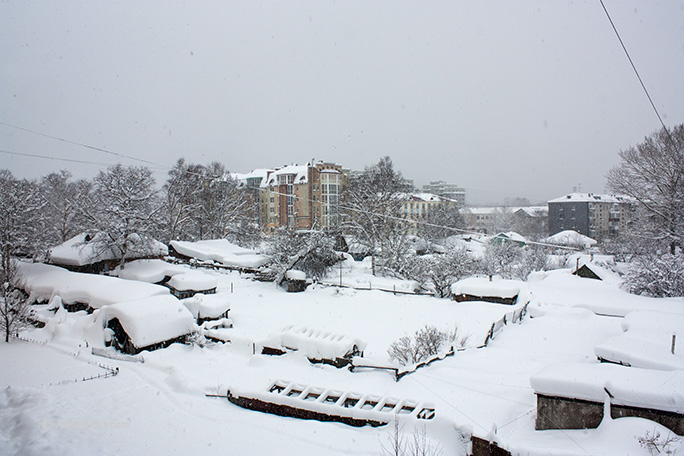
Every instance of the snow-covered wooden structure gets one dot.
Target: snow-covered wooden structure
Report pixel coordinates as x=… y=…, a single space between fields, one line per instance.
x=312 y=403
x=498 y=291
x=219 y=252
x=295 y=281
x=317 y=346
x=146 y=324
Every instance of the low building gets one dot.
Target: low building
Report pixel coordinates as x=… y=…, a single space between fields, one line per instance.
x=418 y=207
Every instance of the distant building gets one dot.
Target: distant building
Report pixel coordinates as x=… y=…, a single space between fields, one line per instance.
x=445 y=190
x=529 y=221
x=301 y=196
x=590 y=214
x=417 y=207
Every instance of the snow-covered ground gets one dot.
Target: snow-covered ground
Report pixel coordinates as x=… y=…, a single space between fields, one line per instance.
x=160 y=406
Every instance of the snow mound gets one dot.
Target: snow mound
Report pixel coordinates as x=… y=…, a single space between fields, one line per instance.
x=294 y=274
x=220 y=251
x=644 y=349
x=571 y=238
x=42 y=281
x=630 y=386
x=152 y=320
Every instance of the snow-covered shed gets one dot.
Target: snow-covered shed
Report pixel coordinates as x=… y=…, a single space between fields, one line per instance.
x=146 y=324
x=188 y=284
x=295 y=281
x=572 y=395
x=510 y=236
x=206 y=307
x=88 y=252
x=498 y=291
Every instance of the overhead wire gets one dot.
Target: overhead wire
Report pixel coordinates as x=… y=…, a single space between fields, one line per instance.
x=68 y=160
x=631 y=62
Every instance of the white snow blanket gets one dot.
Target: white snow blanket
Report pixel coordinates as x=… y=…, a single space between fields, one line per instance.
x=316 y=344
x=481 y=286
x=151 y=320
x=151 y=271
x=82 y=250
x=294 y=274
x=192 y=281
x=42 y=281
x=662 y=322
x=221 y=251
x=208 y=306
x=630 y=386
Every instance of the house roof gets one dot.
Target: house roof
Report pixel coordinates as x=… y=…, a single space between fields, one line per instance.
x=152 y=320
x=590 y=197
x=300 y=172
x=570 y=238
x=84 y=249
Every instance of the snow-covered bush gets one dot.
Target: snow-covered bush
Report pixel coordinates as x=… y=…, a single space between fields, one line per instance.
x=658 y=276
x=427 y=341
x=308 y=251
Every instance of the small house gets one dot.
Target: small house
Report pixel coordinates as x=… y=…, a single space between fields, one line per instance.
x=509 y=237
x=146 y=324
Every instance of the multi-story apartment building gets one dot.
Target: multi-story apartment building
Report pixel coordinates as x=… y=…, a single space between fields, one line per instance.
x=594 y=215
x=301 y=196
x=449 y=191
x=417 y=207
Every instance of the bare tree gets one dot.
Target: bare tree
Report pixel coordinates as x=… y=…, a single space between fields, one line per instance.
x=440 y=271
x=652 y=173
x=61 y=218
x=427 y=341
x=443 y=220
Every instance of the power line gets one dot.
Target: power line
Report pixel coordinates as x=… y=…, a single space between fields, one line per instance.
x=631 y=62
x=68 y=141
x=69 y=160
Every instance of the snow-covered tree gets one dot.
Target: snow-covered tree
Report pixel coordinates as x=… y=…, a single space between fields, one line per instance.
x=501 y=258
x=124 y=208
x=652 y=173
x=180 y=199
x=20 y=208
x=443 y=221
x=657 y=275
x=15 y=311
x=439 y=271
x=373 y=212
x=309 y=251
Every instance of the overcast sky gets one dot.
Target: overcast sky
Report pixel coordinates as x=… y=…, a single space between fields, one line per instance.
x=506 y=98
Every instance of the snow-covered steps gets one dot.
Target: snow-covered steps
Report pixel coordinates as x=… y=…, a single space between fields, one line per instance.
x=295 y=400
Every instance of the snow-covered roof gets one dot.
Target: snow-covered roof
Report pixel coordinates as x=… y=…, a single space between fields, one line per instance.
x=295 y=274
x=151 y=271
x=427 y=197
x=643 y=349
x=590 y=198
x=480 y=286
x=194 y=280
x=221 y=251
x=513 y=236
x=663 y=322
x=43 y=281
x=152 y=320
x=482 y=210
x=532 y=211
x=570 y=238
x=300 y=172
x=631 y=386
x=259 y=173
x=208 y=306
x=84 y=249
